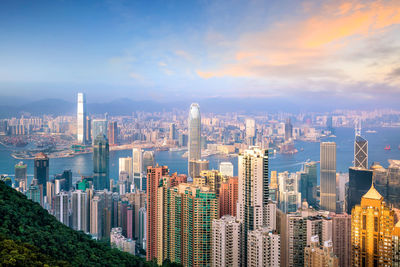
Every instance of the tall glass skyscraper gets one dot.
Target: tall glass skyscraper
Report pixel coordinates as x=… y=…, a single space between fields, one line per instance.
x=101 y=179
x=360 y=152
x=194 y=146
x=328 y=176
x=81 y=118
x=99 y=127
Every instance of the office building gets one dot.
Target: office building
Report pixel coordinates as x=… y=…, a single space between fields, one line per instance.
x=80 y=211
x=372 y=223
x=35 y=192
x=112 y=133
x=226 y=168
x=393 y=183
x=137 y=167
x=308 y=183
x=360 y=152
x=194 y=142
x=41 y=171
x=328 y=176
x=226 y=242
x=148 y=160
x=99 y=127
x=250 y=131
x=126 y=165
x=154 y=175
x=288 y=130
x=81 y=119
x=263 y=248
x=253 y=190
x=88 y=123
x=289 y=195
x=173 y=134
x=197 y=166
x=50 y=188
x=21 y=178
x=359 y=183
x=142 y=227
x=101 y=157
x=317 y=256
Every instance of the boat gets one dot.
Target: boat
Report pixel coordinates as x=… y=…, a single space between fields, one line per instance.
x=370 y=131
x=387 y=147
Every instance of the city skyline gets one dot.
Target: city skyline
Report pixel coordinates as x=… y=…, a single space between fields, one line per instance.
x=118 y=48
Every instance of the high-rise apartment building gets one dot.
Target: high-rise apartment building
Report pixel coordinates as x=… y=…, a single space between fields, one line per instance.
x=21 y=178
x=96 y=217
x=396 y=245
x=80 y=211
x=253 y=190
x=101 y=157
x=187 y=216
x=228 y=197
x=226 y=168
x=194 y=144
x=316 y=255
x=341 y=237
x=154 y=175
x=81 y=119
x=263 y=248
x=41 y=171
x=213 y=179
x=328 y=176
x=88 y=125
x=226 y=242
x=393 y=183
x=372 y=223
x=61 y=208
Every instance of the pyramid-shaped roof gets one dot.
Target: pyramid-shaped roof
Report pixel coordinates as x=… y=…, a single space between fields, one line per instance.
x=373 y=193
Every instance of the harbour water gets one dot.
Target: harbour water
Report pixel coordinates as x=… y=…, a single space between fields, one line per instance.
x=83 y=165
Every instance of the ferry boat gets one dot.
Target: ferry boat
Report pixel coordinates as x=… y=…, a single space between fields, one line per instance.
x=370 y=131
x=387 y=147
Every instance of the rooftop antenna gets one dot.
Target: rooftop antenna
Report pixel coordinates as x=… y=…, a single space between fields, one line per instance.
x=357 y=128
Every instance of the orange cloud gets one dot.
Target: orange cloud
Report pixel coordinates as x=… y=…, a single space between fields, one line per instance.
x=307 y=46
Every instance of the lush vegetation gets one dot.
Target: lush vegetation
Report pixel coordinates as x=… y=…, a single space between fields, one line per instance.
x=31 y=236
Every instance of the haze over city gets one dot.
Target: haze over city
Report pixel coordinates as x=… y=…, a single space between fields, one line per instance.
x=292 y=51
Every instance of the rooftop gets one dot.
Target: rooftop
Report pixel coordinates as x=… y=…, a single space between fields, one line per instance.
x=373 y=193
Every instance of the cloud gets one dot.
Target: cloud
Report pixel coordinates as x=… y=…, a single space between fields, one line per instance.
x=162 y=64
x=135 y=76
x=313 y=45
x=184 y=54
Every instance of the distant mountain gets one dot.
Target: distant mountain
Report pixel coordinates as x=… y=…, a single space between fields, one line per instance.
x=34 y=237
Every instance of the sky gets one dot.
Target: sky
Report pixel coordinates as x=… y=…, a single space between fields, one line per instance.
x=169 y=50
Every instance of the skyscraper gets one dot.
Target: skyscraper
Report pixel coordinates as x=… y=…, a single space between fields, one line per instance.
x=360 y=152
x=253 y=191
x=194 y=126
x=328 y=176
x=112 y=133
x=81 y=118
x=197 y=166
x=137 y=167
x=61 y=207
x=341 y=238
x=21 y=178
x=360 y=180
x=101 y=179
x=226 y=242
x=99 y=127
x=289 y=194
x=288 y=130
x=250 y=131
x=308 y=181
x=372 y=223
x=154 y=175
x=41 y=171
x=172 y=131
x=80 y=210
x=228 y=196
x=125 y=165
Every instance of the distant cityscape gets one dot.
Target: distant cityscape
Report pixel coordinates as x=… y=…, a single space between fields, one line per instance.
x=210 y=217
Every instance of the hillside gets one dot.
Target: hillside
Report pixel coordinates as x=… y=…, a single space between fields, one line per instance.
x=30 y=236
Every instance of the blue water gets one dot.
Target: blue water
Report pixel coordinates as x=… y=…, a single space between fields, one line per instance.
x=82 y=164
